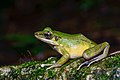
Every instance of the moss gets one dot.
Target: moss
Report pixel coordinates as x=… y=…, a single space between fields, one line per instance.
x=106 y=69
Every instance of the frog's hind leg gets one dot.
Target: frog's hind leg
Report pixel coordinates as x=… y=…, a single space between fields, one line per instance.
x=92 y=52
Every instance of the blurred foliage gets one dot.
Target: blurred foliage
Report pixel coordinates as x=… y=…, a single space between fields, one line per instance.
x=90 y=4
x=25 y=42
x=87 y=4
x=21 y=40
x=98 y=19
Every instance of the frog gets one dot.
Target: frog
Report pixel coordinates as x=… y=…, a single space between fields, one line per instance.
x=72 y=46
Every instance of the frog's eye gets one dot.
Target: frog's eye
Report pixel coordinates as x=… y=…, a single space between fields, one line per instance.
x=48 y=35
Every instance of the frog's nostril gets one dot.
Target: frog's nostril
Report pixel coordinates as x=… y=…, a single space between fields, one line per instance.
x=36 y=33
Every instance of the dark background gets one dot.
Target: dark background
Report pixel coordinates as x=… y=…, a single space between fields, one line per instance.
x=99 y=20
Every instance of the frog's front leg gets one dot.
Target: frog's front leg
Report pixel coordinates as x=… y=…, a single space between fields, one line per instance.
x=91 y=52
x=62 y=60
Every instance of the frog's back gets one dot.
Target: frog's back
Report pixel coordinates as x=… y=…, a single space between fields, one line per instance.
x=74 y=39
x=76 y=44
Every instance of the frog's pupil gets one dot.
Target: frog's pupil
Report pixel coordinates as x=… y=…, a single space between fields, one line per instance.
x=48 y=35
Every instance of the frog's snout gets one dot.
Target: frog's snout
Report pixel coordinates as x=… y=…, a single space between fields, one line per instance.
x=36 y=33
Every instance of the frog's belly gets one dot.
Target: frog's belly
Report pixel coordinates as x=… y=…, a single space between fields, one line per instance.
x=76 y=51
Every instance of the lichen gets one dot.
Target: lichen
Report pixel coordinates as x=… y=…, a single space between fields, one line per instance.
x=106 y=69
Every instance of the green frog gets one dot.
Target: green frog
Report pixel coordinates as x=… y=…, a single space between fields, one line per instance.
x=72 y=46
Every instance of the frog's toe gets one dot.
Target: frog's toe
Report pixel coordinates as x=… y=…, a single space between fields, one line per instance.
x=43 y=65
x=53 y=66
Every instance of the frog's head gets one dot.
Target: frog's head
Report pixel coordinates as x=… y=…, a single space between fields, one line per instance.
x=47 y=36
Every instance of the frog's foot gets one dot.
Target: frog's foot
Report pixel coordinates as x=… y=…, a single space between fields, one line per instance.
x=53 y=66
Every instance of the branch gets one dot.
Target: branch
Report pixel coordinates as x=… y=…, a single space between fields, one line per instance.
x=106 y=69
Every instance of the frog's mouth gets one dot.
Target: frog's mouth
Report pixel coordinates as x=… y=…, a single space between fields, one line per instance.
x=47 y=41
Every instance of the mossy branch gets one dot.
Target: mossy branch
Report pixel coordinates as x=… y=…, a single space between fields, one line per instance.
x=108 y=68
